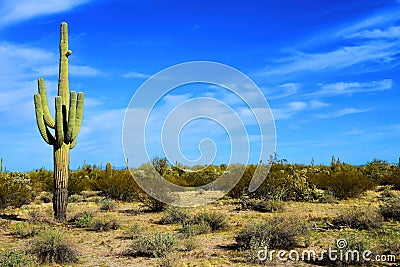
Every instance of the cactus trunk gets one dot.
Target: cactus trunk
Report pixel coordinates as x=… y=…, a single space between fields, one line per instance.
x=66 y=125
x=61 y=172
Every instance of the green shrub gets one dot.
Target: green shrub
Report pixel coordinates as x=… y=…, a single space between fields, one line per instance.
x=147 y=175
x=343 y=180
x=360 y=218
x=105 y=223
x=279 y=232
x=174 y=215
x=83 y=220
x=204 y=222
x=83 y=178
x=17 y=259
x=216 y=221
x=135 y=231
x=120 y=185
x=391 y=210
x=190 y=243
x=75 y=198
x=169 y=260
x=15 y=190
x=152 y=245
x=23 y=230
x=51 y=246
x=108 y=204
x=192 y=229
x=42 y=180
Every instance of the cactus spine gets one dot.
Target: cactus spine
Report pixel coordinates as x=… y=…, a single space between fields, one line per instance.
x=67 y=124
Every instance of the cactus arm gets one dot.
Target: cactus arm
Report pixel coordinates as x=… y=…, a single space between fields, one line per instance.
x=79 y=114
x=43 y=95
x=59 y=121
x=44 y=131
x=71 y=118
x=73 y=144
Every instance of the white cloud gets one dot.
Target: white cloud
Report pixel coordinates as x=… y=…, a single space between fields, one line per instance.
x=289 y=110
x=342 y=112
x=391 y=32
x=349 y=88
x=14 y=11
x=316 y=104
x=283 y=90
x=343 y=57
x=134 y=74
x=374 y=21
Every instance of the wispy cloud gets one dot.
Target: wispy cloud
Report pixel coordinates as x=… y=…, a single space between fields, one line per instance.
x=316 y=104
x=289 y=110
x=391 y=32
x=283 y=90
x=377 y=52
x=12 y=11
x=349 y=88
x=374 y=21
x=134 y=74
x=366 y=44
x=341 y=112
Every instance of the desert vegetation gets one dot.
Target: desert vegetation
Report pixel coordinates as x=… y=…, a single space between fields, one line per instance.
x=112 y=221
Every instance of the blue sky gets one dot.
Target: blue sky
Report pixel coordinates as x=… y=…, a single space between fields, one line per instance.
x=329 y=69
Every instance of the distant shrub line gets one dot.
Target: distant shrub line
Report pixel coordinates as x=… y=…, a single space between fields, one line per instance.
x=284 y=182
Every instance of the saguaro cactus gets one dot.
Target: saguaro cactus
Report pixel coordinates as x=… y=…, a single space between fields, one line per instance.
x=109 y=169
x=67 y=123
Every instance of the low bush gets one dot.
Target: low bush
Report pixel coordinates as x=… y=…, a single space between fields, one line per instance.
x=152 y=245
x=120 y=185
x=83 y=220
x=391 y=210
x=174 y=215
x=135 y=231
x=192 y=229
x=75 y=198
x=23 y=230
x=360 y=218
x=17 y=259
x=15 y=190
x=108 y=204
x=42 y=180
x=216 y=221
x=190 y=243
x=279 y=232
x=51 y=246
x=343 y=180
x=105 y=223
